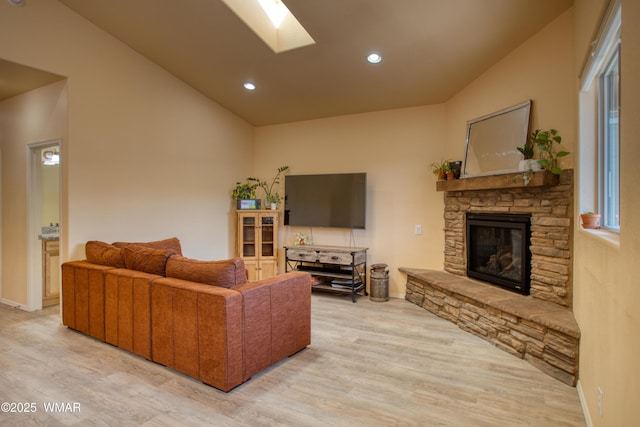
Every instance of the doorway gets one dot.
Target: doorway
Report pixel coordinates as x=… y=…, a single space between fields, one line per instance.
x=43 y=230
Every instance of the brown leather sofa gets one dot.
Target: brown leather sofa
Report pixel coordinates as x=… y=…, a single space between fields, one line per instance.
x=202 y=318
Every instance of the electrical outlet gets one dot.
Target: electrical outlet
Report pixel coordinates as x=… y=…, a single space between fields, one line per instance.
x=599 y=401
x=418 y=229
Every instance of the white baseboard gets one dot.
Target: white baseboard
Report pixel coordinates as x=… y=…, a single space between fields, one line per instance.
x=14 y=304
x=583 y=403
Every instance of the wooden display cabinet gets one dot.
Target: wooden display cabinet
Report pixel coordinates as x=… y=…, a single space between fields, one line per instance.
x=258 y=242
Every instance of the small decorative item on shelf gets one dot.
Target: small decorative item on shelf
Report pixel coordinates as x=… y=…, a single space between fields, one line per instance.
x=271 y=197
x=303 y=239
x=590 y=220
x=456 y=168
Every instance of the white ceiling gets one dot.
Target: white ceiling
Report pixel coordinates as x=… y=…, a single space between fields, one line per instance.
x=431 y=50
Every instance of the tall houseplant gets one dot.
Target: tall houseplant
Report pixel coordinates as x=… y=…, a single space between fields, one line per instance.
x=271 y=197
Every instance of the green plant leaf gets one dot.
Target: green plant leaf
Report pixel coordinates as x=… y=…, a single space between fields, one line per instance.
x=562 y=153
x=556 y=170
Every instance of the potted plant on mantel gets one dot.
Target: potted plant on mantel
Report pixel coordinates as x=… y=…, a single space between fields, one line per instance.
x=441 y=169
x=528 y=163
x=544 y=141
x=548 y=156
x=271 y=197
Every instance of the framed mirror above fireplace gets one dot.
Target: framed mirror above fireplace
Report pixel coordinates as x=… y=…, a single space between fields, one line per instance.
x=492 y=140
x=498 y=249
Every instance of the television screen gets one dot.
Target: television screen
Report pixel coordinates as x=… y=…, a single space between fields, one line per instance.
x=329 y=200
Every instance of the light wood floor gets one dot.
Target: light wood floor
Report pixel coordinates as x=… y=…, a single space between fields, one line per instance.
x=369 y=364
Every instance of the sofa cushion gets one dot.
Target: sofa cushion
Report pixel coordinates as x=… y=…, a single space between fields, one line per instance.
x=146 y=259
x=225 y=273
x=104 y=254
x=172 y=243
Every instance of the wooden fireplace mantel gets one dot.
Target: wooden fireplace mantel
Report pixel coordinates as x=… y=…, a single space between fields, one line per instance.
x=492 y=182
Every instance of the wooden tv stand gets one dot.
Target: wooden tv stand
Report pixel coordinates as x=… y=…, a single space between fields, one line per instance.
x=337 y=269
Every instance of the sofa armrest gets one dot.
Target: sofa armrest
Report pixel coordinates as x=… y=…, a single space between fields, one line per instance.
x=83 y=297
x=276 y=319
x=197 y=329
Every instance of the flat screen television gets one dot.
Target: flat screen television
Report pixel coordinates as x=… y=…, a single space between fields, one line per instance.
x=327 y=200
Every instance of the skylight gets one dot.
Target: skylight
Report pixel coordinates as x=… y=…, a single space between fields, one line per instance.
x=272 y=22
x=275 y=10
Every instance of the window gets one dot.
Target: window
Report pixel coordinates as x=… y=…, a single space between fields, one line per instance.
x=609 y=142
x=601 y=82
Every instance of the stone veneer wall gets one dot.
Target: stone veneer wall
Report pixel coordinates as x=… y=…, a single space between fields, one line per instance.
x=551 y=209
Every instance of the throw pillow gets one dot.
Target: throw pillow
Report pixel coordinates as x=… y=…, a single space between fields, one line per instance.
x=225 y=273
x=104 y=254
x=172 y=243
x=145 y=259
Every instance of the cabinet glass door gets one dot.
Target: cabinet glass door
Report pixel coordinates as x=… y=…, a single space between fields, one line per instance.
x=248 y=236
x=267 y=235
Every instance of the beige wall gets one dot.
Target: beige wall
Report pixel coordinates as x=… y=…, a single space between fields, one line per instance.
x=145 y=156
x=607 y=295
x=36 y=116
x=541 y=69
x=395 y=149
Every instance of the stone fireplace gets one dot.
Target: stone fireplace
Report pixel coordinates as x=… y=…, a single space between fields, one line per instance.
x=536 y=321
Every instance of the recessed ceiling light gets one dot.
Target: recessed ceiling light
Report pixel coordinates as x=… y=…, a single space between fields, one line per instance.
x=374 y=58
x=249 y=86
x=16 y=2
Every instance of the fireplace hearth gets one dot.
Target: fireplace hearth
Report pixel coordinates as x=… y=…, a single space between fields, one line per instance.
x=539 y=326
x=498 y=249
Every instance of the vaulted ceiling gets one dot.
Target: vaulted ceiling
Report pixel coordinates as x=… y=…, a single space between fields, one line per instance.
x=431 y=49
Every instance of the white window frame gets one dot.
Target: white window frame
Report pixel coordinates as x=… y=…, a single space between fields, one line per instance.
x=606 y=52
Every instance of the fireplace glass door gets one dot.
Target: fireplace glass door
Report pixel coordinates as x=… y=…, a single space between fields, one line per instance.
x=498 y=250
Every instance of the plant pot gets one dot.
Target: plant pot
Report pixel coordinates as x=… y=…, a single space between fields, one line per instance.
x=274 y=206
x=529 y=165
x=590 y=221
x=451 y=176
x=442 y=175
